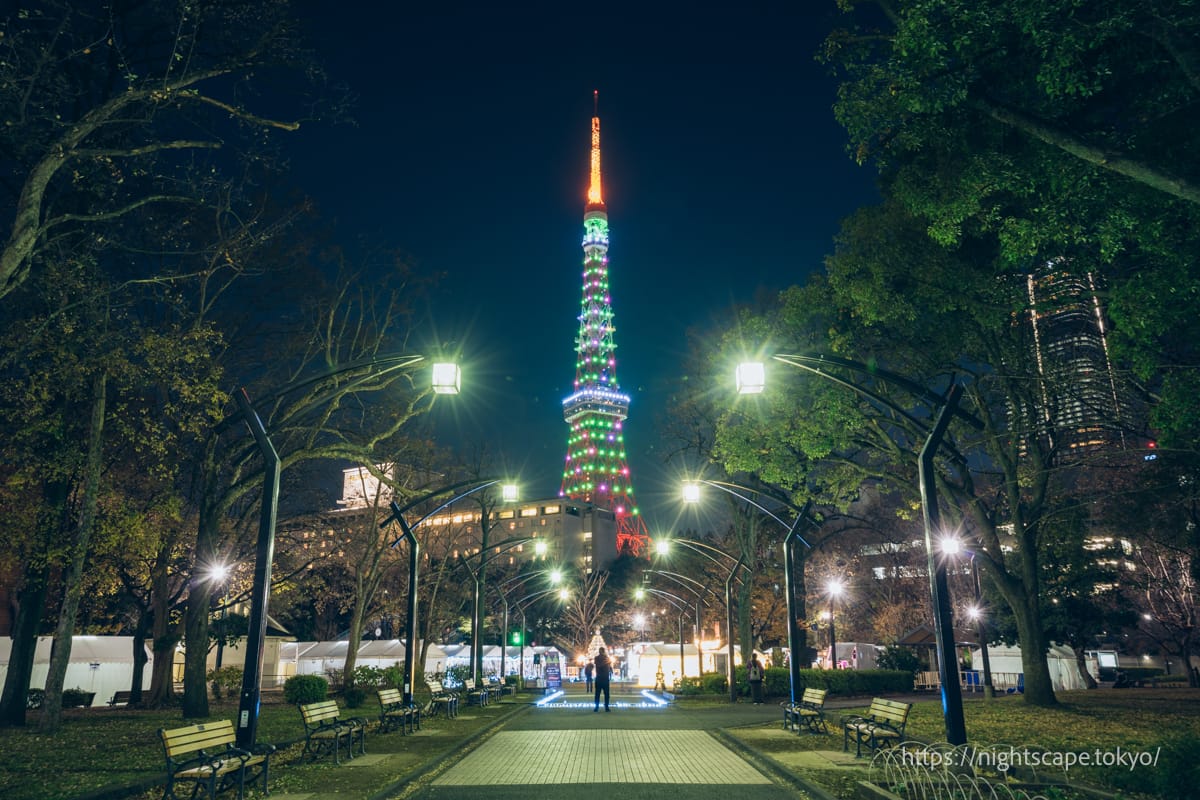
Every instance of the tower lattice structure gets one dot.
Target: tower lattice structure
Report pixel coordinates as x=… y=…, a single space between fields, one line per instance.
x=596 y=469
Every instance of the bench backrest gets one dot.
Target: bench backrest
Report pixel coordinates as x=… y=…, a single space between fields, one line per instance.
x=322 y=711
x=390 y=696
x=435 y=687
x=892 y=711
x=469 y=684
x=212 y=737
x=813 y=697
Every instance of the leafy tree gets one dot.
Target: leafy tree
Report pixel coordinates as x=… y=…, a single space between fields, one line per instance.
x=1028 y=123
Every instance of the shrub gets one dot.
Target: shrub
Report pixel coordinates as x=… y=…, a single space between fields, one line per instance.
x=512 y=680
x=34 y=698
x=714 y=683
x=355 y=696
x=457 y=674
x=225 y=679
x=76 y=698
x=393 y=677
x=903 y=658
x=302 y=689
x=368 y=677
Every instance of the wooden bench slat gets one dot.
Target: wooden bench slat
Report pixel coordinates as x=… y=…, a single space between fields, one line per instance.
x=882 y=725
x=207 y=755
x=323 y=724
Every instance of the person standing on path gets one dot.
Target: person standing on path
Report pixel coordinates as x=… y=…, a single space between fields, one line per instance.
x=587 y=674
x=754 y=673
x=603 y=666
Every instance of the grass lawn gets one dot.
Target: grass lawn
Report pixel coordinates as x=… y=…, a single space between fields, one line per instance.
x=99 y=748
x=1164 y=723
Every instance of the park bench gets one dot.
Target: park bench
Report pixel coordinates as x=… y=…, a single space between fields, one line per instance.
x=395 y=713
x=324 y=730
x=500 y=688
x=810 y=712
x=926 y=681
x=442 y=701
x=121 y=698
x=206 y=756
x=881 y=726
x=476 y=696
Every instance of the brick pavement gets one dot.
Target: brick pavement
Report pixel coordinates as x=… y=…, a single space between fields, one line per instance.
x=601 y=756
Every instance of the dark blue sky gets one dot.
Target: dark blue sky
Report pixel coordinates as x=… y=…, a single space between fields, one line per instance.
x=725 y=174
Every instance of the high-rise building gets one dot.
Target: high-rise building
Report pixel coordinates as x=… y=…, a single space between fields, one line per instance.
x=1081 y=407
x=596 y=470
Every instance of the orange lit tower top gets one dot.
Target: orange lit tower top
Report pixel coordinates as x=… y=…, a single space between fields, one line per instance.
x=596 y=470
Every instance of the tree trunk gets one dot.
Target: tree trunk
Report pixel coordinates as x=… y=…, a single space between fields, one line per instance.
x=60 y=654
x=1081 y=665
x=163 y=636
x=1039 y=690
x=140 y=631
x=354 y=637
x=195 y=650
x=32 y=601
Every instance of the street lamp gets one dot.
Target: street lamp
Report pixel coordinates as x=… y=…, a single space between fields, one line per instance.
x=540 y=550
x=698 y=588
x=663 y=548
x=691 y=489
x=679 y=605
x=414 y=552
x=834 y=588
x=564 y=595
x=751 y=379
x=445 y=379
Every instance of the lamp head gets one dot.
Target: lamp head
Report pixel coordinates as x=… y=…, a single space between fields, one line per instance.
x=662 y=547
x=691 y=491
x=751 y=377
x=510 y=492
x=447 y=378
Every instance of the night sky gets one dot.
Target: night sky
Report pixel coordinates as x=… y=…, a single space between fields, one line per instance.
x=725 y=175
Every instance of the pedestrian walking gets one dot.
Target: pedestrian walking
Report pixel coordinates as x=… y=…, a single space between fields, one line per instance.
x=754 y=673
x=587 y=675
x=603 y=669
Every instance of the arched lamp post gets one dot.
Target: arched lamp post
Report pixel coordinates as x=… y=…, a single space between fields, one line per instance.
x=691 y=491
x=446 y=378
x=751 y=379
x=662 y=547
x=414 y=552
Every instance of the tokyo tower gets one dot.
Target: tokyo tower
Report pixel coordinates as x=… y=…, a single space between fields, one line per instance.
x=596 y=470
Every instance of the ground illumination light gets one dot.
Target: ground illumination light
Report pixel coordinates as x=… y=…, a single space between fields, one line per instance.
x=751 y=377
x=556 y=576
x=640 y=594
x=447 y=378
x=973 y=612
x=835 y=587
x=691 y=492
x=639 y=620
x=564 y=594
x=218 y=572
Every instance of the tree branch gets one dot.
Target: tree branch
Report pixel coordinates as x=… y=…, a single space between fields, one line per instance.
x=1114 y=162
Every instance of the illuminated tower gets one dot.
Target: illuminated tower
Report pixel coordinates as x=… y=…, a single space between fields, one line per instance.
x=596 y=471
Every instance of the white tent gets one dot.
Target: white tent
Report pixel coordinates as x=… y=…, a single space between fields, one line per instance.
x=99 y=664
x=1064 y=674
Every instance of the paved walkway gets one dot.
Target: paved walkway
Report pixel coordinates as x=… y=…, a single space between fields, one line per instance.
x=635 y=751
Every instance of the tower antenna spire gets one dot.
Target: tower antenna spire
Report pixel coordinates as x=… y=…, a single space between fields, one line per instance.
x=595 y=197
